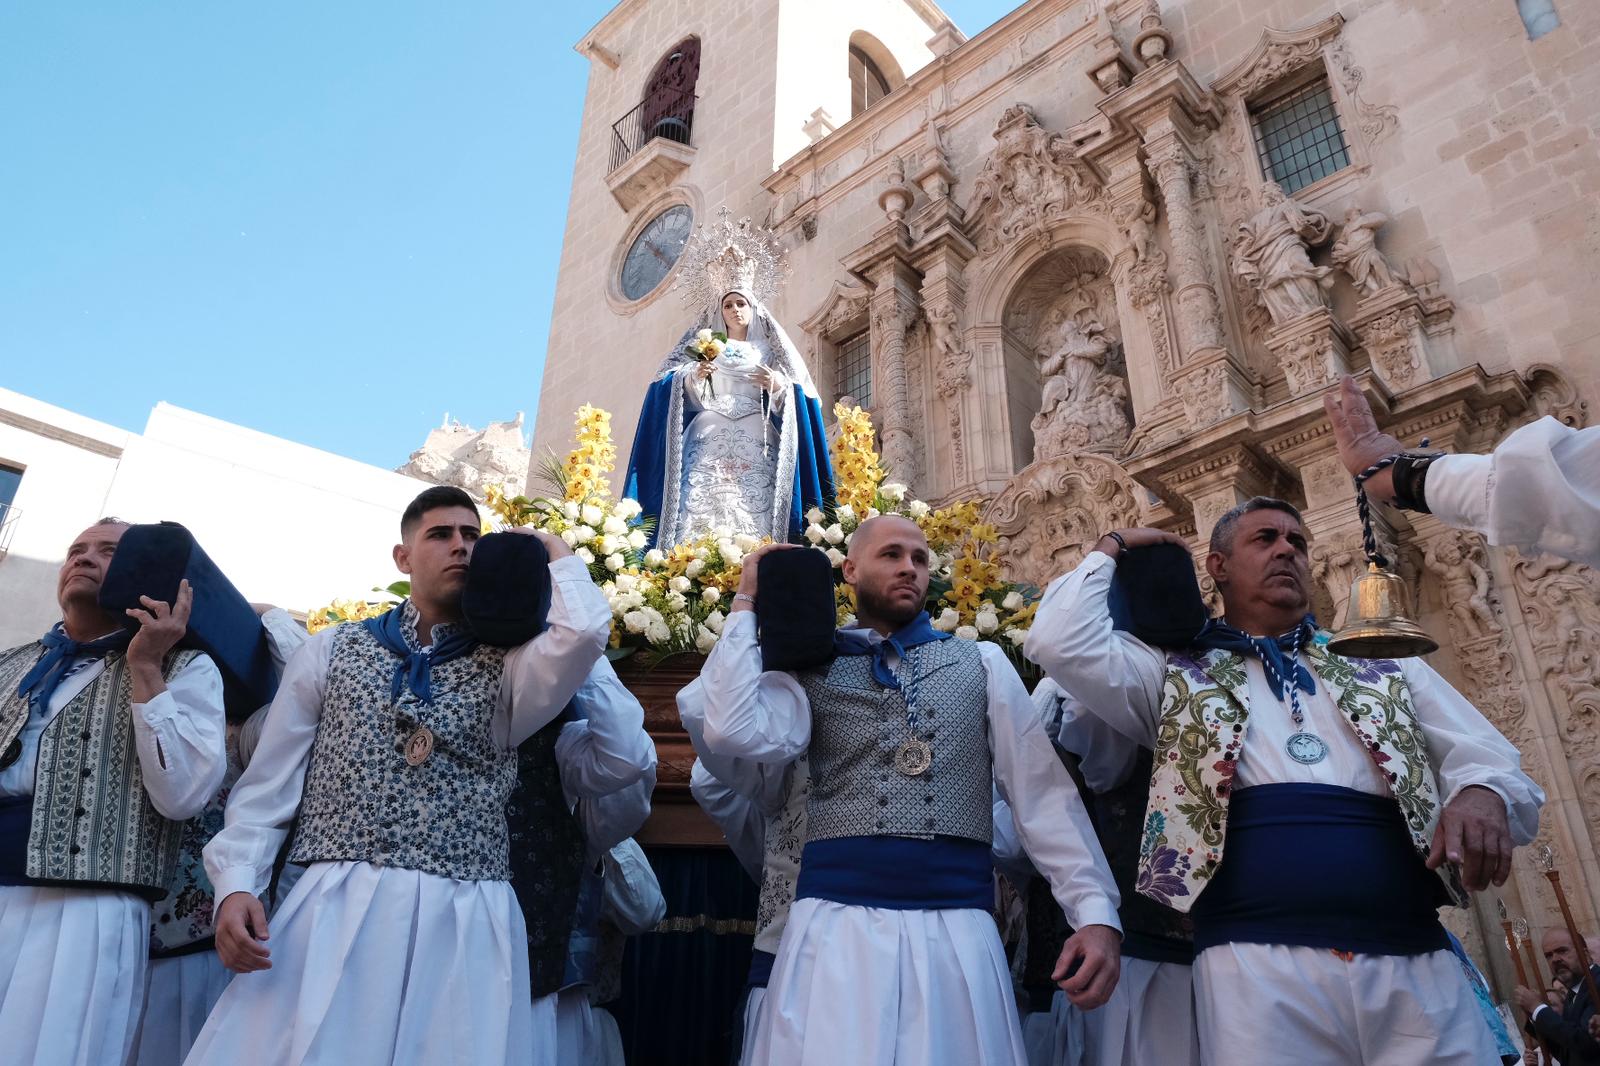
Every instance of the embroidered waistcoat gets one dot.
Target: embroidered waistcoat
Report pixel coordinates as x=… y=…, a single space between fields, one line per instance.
x=181 y=921
x=1205 y=713
x=547 y=850
x=93 y=822
x=856 y=725
x=364 y=803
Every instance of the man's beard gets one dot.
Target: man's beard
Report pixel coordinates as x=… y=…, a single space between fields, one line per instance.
x=870 y=603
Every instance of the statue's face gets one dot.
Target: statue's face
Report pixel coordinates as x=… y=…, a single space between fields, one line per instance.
x=736 y=311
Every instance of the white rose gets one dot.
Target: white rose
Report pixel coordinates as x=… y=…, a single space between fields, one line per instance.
x=730 y=554
x=917 y=509
x=679 y=584
x=584 y=534
x=627 y=508
x=704 y=640
x=592 y=514
x=1013 y=600
x=655 y=557
x=676 y=601
x=746 y=543
x=615 y=562
x=637 y=539
x=966 y=632
x=814 y=516
x=615 y=526
x=695 y=568
x=652 y=614
x=714 y=621
x=586 y=555
x=570 y=509
x=988 y=622
x=834 y=534
x=626 y=582
x=703 y=337
x=711 y=595
x=844 y=512
x=569 y=537
x=947 y=620
x=658 y=633
x=893 y=490
x=609 y=588
x=605 y=544
x=836 y=557
x=814 y=533
x=1016 y=636
x=635 y=621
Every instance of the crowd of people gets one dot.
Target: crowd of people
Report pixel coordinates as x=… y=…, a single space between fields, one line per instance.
x=1232 y=848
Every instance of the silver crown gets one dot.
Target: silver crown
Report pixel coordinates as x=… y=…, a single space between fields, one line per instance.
x=730 y=255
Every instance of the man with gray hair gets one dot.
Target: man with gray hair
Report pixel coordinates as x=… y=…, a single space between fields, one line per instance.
x=109 y=741
x=1354 y=797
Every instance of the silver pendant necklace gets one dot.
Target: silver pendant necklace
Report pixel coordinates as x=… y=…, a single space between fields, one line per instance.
x=1303 y=746
x=914 y=755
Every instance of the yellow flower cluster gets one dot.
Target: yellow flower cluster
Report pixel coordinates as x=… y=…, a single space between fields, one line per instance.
x=857 y=474
x=588 y=465
x=345 y=611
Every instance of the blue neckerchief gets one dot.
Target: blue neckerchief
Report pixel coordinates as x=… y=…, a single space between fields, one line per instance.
x=856 y=642
x=1273 y=652
x=416 y=667
x=39 y=683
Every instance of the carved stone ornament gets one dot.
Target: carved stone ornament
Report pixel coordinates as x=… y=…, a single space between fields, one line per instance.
x=1269 y=252
x=1356 y=252
x=1203 y=391
x=1337 y=560
x=1556 y=396
x=1050 y=514
x=952 y=376
x=1030 y=180
x=1460 y=567
x=1084 y=404
x=1561 y=601
x=1391 y=343
x=897 y=194
x=843 y=311
x=1310 y=357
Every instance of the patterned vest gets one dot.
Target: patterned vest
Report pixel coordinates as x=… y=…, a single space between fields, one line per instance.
x=780 y=862
x=1205 y=711
x=181 y=921
x=93 y=822
x=364 y=803
x=546 y=858
x=856 y=725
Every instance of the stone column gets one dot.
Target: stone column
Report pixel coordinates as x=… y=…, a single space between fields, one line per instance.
x=944 y=298
x=894 y=309
x=1199 y=313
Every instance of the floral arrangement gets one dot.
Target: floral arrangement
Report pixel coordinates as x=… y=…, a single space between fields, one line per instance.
x=674 y=600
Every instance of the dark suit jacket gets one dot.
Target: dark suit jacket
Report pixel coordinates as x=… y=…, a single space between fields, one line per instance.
x=1568 y=1033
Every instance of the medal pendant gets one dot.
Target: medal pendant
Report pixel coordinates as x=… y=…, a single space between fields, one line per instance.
x=1307 y=748
x=913 y=757
x=419 y=745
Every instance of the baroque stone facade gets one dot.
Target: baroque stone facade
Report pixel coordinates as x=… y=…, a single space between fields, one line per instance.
x=1090 y=300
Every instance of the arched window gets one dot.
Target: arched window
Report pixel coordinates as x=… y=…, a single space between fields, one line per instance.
x=668 y=100
x=867 y=83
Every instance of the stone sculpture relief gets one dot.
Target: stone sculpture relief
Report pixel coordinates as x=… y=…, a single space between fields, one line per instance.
x=1270 y=253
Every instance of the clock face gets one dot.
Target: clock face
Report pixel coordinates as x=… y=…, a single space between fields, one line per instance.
x=655 y=250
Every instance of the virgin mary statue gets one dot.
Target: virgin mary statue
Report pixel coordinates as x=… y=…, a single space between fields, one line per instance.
x=731 y=436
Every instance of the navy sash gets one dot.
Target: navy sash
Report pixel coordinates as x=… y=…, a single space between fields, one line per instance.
x=1323 y=867
x=16 y=818
x=760 y=968
x=899 y=873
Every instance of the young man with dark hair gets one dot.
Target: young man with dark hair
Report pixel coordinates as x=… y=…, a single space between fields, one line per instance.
x=391 y=751
x=109 y=741
x=1353 y=798
x=890 y=954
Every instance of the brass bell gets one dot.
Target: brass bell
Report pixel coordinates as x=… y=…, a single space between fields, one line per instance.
x=1378 y=624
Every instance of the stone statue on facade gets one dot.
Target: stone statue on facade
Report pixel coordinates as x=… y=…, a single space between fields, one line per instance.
x=1356 y=252
x=1085 y=401
x=1456 y=559
x=1270 y=253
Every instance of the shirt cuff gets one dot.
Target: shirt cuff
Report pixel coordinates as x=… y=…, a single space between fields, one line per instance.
x=1096 y=911
x=161 y=709
x=234 y=879
x=738 y=622
x=1536 y=1010
x=1457 y=489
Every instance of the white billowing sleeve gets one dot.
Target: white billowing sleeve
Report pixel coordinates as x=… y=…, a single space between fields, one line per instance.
x=1050 y=817
x=756 y=714
x=1465 y=749
x=1112 y=674
x=1538 y=491
x=543 y=674
x=608 y=820
x=765 y=784
x=284 y=638
x=1105 y=757
x=632 y=900
x=1009 y=856
x=264 y=801
x=181 y=739
x=740 y=820
x=607 y=749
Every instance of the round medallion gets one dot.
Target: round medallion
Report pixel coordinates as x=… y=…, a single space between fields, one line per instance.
x=419 y=745
x=913 y=757
x=1307 y=748
x=655 y=251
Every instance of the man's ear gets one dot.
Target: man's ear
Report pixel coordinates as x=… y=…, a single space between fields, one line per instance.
x=1217 y=567
x=402 y=559
x=848 y=569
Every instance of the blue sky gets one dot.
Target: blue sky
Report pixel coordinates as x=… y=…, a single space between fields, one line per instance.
x=329 y=222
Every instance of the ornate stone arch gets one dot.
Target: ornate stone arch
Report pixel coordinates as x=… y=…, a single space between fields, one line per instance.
x=1051 y=513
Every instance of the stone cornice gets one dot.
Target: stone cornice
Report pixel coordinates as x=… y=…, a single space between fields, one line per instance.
x=1275 y=54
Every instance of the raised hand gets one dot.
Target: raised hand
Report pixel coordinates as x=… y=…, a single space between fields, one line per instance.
x=1359 y=440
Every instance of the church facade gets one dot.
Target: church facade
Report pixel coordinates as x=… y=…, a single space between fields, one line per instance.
x=1098 y=265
